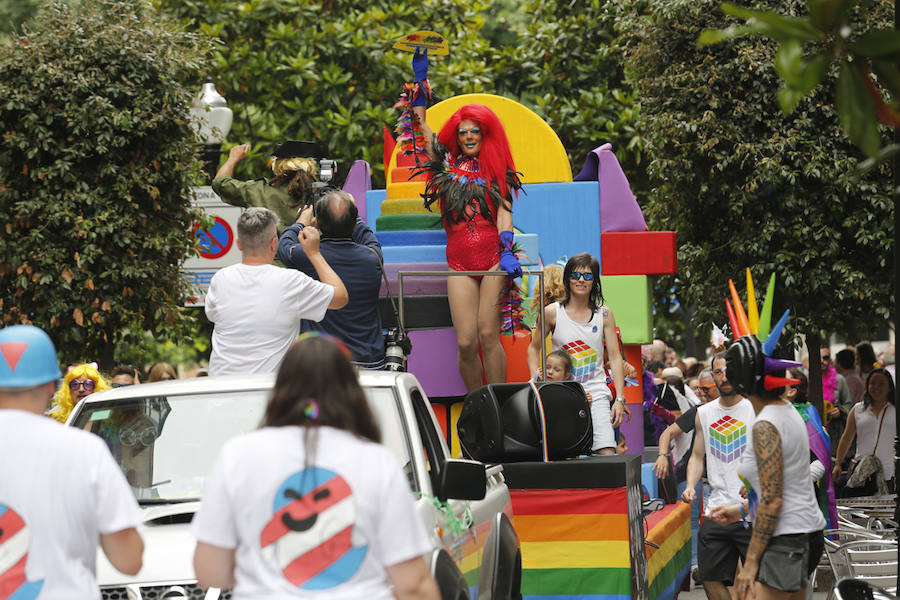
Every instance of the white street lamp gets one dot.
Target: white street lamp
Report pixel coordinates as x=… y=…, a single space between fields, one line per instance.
x=212 y=121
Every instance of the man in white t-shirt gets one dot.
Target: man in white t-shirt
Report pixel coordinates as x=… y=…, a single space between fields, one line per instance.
x=257 y=307
x=61 y=493
x=722 y=428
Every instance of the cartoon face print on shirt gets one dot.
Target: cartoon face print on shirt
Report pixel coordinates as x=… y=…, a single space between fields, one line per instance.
x=15 y=540
x=584 y=360
x=308 y=537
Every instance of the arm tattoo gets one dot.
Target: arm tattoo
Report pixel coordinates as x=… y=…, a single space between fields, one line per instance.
x=770 y=464
x=605 y=312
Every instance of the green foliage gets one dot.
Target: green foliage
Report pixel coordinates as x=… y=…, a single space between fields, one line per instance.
x=15 y=12
x=746 y=185
x=325 y=70
x=567 y=67
x=96 y=163
x=148 y=348
x=831 y=32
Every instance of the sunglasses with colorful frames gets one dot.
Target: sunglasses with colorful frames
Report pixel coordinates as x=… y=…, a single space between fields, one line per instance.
x=576 y=275
x=87 y=385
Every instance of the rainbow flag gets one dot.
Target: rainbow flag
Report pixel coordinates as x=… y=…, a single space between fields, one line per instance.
x=820 y=445
x=575 y=543
x=668 y=565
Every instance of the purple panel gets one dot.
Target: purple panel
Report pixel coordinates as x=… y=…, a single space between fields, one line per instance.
x=619 y=210
x=433 y=362
x=634 y=429
x=359 y=182
x=416 y=286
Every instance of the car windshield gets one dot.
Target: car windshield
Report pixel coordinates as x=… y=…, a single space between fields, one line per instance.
x=166 y=445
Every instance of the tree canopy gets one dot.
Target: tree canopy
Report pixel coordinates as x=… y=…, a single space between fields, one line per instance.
x=747 y=186
x=96 y=163
x=325 y=70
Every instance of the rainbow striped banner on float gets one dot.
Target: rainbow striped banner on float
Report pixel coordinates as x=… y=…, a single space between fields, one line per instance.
x=574 y=543
x=668 y=565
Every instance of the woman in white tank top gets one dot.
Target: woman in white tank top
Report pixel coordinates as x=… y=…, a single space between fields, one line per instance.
x=873 y=423
x=578 y=325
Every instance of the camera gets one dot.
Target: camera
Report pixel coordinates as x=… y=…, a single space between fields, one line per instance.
x=326 y=170
x=327 y=167
x=397 y=347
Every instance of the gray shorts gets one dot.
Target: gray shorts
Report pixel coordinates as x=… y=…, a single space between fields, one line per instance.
x=783 y=564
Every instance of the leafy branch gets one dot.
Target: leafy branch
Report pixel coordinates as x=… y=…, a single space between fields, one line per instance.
x=867 y=88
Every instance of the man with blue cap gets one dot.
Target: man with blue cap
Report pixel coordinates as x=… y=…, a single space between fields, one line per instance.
x=61 y=493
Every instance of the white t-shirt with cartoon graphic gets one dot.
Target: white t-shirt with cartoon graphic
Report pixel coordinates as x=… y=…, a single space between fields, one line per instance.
x=59 y=491
x=726 y=431
x=326 y=530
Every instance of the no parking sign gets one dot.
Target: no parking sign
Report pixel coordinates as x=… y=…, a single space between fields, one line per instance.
x=216 y=241
x=218 y=247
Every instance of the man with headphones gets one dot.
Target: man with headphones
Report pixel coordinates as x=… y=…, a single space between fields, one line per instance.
x=353 y=251
x=61 y=492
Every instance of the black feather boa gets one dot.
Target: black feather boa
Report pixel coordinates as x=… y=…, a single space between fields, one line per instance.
x=459 y=182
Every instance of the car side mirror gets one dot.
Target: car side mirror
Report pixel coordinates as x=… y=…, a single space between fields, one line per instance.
x=462 y=480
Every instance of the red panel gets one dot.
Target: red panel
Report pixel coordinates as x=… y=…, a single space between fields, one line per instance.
x=638 y=253
x=634 y=394
x=440 y=411
x=569 y=502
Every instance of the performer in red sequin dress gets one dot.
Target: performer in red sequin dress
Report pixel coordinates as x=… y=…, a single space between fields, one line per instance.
x=473 y=179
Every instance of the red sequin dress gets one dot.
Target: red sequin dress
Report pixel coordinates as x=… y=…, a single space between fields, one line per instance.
x=473 y=242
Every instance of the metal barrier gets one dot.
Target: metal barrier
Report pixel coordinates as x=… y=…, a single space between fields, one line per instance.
x=539 y=273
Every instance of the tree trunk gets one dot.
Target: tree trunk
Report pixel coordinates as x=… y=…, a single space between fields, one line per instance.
x=814 y=345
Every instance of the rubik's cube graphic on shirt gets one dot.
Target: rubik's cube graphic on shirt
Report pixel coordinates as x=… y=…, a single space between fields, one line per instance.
x=584 y=360
x=727 y=438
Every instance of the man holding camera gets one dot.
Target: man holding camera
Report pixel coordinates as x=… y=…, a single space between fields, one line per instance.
x=352 y=250
x=293 y=186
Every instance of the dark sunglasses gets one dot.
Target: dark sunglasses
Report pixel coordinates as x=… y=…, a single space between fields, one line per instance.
x=473 y=131
x=706 y=388
x=826 y=358
x=87 y=386
x=576 y=275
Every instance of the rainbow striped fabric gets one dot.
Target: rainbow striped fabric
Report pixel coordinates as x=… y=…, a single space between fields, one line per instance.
x=669 y=565
x=575 y=543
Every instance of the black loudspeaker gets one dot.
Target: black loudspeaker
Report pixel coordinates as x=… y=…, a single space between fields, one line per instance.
x=503 y=422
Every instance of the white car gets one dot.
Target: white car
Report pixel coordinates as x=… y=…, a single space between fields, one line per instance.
x=165 y=437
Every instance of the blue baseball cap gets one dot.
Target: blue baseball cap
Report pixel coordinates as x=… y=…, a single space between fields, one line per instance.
x=27 y=357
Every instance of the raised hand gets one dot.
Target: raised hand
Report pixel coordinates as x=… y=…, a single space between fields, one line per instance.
x=420 y=65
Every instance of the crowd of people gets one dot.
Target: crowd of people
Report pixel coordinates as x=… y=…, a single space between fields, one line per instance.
x=777 y=472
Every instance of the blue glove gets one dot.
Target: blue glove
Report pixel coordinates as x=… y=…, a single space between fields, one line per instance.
x=420 y=65
x=508 y=260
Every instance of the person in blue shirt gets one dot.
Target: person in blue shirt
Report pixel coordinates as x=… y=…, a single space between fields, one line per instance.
x=353 y=251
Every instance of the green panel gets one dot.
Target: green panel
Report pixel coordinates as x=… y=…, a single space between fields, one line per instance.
x=670 y=570
x=629 y=298
x=576 y=582
x=410 y=222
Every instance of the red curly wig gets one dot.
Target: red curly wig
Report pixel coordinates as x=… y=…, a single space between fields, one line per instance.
x=495 y=156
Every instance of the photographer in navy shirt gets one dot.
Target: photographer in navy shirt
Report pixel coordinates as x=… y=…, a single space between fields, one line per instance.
x=352 y=250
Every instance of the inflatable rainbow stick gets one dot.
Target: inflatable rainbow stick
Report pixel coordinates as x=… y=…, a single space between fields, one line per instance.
x=752 y=314
x=743 y=325
x=769 y=339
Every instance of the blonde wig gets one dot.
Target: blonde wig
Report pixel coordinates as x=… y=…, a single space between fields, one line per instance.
x=554 y=290
x=280 y=166
x=63 y=400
